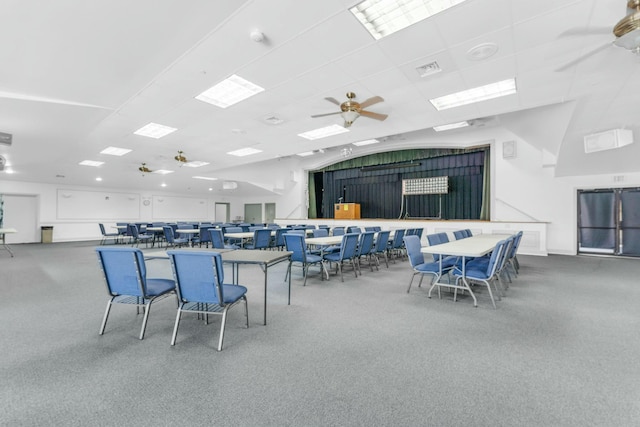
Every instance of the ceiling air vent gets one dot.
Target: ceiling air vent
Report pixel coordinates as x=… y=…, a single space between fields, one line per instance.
x=608 y=140
x=428 y=69
x=6 y=138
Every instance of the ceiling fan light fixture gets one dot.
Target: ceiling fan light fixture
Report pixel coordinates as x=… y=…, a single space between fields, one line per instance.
x=349 y=117
x=180 y=158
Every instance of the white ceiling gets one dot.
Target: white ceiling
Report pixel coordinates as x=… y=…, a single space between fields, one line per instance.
x=79 y=76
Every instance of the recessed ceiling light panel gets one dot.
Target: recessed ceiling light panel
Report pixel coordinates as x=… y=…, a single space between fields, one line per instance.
x=366 y=142
x=244 y=152
x=323 y=132
x=195 y=164
x=476 y=94
x=207 y=178
x=155 y=130
x=162 y=171
x=115 y=151
x=451 y=126
x=91 y=163
x=384 y=17
x=230 y=91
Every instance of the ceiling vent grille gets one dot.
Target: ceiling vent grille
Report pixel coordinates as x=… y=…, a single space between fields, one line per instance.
x=608 y=140
x=6 y=138
x=428 y=69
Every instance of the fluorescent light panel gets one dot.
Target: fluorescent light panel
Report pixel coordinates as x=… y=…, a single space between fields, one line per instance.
x=91 y=163
x=366 y=142
x=323 y=132
x=115 y=151
x=244 y=152
x=451 y=126
x=230 y=91
x=155 y=130
x=384 y=17
x=476 y=94
x=162 y=172
x=195 y=164
x=208 y=178
x=305 y=154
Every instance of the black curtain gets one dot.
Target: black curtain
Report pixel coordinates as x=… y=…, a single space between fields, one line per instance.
x=378 y=188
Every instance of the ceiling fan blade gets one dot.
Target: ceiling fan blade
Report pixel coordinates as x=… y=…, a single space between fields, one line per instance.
x=583 y=57
x=371 y=101
x=326 y=114
x=373 y=115
x=333 y=100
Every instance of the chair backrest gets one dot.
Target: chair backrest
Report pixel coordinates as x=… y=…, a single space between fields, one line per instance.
x=419 y=232
x=255 y=227
x=278 y=240
x=398 y=241
x=234 y=230
x=124 y=270
x=468 y=232
x=460 y=234
x=168 y=233
x=354 y=230
x=296 y=244
x=349 y=245
x=217 y=239
x=412 y=244
x=437 y=239
x=199 y=276
x=133 y=230
x=382 y=240
x=365 y=245
x=204 y=233
x=102 y=229
x=369 y=229
x=320 y=232
x=301 y=232
x=338 y=231
x=516 y=244
x=261 y=238
x=496 y=257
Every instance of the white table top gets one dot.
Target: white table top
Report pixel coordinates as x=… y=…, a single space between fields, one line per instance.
x=188 y=230
x=8 y=230
x=324 y=241
x=474 y=246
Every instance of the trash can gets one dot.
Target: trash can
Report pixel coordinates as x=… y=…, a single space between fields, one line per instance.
x=46 y=234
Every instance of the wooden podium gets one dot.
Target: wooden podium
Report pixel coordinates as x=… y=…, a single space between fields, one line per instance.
x=347 y=211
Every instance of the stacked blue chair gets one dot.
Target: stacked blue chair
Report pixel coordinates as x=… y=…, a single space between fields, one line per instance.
x=296 y=243
x=396 y=245
x=346 y=254
x=127 y=283
x=448 y=262
x=418 y=264
x=233 y=229
x=338 y=231
x=204 y=236
x=278 y=240
x=199 y=277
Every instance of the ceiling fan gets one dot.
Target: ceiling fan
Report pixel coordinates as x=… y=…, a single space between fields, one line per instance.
x=627 y=32
x=180 y=158
x=350 y=110
x=144 y=169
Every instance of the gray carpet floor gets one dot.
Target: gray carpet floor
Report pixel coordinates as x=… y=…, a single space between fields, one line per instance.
x=560 y=350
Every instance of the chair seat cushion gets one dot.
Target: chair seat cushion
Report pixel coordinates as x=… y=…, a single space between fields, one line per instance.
x=233 y=293
x=335 y=256
x=473 y=272
x=157 y=287
x=312 y=259
x=428 y=267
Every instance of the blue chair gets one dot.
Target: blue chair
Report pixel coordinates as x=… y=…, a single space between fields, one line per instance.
x=382 y=240
x=460 y=234
x=137 y=237
x=480 y=271
x=204 y=236
x=261 y=239
x=512 y=258
x=353 y=229
x=338 y=231
x=396 y=245
x=321 y=232
x=171 y=239
x=199 y=277
x=127 y=283
x=365 y=249
x=106 y=236
x=418 y=264
x=347 y=253
x=448 y=262
x=278 y=240
x=296 y=243
x=217 y=240
x=234 y=229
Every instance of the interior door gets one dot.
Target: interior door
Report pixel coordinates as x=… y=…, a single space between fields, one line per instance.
x=269 y=212
x=222 y=212
x=630 y=222
x=597 y=221
x=253 y=213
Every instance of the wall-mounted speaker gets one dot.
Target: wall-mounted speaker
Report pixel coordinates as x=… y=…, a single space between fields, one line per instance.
x=608 y=140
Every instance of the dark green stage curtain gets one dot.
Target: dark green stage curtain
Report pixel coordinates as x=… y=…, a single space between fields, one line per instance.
x=376 y=183
x=312 y=211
